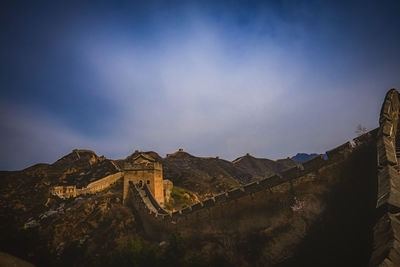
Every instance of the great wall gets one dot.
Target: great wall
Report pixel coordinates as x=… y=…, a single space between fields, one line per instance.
x=237 y=203
x=369 y=161
x=386 y=250
x=144 y=171
x=92 y=188
x=254 y=205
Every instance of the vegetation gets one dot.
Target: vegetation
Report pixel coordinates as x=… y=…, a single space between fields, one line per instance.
x=181 y=198
x=175 y=252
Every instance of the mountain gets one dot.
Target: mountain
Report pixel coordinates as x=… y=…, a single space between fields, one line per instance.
x=212 y=175
x=303 y=157
x=37 y=224
x=202 y=175
x=261 y=168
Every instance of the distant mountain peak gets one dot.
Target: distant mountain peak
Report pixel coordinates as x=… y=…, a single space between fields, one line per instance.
x=180 y=154
x=303 y=157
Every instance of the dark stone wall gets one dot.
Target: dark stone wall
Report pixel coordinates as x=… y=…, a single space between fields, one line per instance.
x=386 y=250
x=328 y=203
x=343 y=233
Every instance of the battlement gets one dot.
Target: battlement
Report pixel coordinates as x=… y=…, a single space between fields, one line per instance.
x=145 y=172
x=64 y=191
x=386 y=229
x=246 y=207
x=141 y=166
x=91 y=188
x=265 y=185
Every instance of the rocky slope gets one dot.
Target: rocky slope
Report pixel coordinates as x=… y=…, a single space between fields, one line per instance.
x=212 y=175
x=260 y=168
x=46 y=230
x=49 y=231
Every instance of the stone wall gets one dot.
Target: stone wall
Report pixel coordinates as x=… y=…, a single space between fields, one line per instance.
x=64 y=191
x=386 y=251
x=153 y=200
x=168 y=185
x=96 y=186
x=150 y=174
x=100 y=184
x=246 y=208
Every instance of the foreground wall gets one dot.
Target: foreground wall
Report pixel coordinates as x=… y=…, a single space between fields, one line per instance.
x=386 y=251
x=280 y=210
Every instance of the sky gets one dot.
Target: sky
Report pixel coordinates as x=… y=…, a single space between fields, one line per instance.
x=216 y=78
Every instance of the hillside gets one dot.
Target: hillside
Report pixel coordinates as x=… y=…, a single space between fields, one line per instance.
x=49 y=231
x=261 y=168
x=98 y=230
x=202 y=175
x=25 y=193
x=212 y=175
x=44 y=229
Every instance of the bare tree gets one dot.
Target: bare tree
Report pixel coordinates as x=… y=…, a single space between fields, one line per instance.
x=360 y=130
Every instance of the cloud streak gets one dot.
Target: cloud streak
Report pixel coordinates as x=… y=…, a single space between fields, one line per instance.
x=273 y=84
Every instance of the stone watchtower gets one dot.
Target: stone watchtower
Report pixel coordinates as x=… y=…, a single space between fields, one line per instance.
x=145 y=170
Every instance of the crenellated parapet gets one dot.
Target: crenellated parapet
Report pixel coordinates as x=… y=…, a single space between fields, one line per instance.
x=144 y=170
x=255 y=197
x=386 y=251
x=142 y=166
x=388 y=175
x=338 y=154
x=92 y=188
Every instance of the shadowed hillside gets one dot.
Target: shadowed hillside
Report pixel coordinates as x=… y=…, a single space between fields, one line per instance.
x=260 y=168
x=211 y=175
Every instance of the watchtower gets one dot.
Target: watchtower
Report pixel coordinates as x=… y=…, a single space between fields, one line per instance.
x=144 y=170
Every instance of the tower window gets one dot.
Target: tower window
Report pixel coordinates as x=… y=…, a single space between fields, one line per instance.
x=148 y=181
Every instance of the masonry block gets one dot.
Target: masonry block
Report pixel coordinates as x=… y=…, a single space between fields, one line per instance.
x=221 y=197
x=387 y=107
x=387 y=128
x=339 y=152
x=186 y=210
x=209 y=202
x=253 y=187
x=388 y=187
x=314 y=164
x=290 y=174
x=197 y=206
x=236 y=193
x=362 y=139
x=386 y=151
x=270 y=181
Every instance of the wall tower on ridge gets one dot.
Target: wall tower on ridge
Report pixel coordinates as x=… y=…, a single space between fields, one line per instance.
x=145 y=170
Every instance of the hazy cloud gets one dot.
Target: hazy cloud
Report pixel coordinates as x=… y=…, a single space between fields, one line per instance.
x=268 y=81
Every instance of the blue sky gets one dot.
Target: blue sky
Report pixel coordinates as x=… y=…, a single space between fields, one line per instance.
x=224 y=78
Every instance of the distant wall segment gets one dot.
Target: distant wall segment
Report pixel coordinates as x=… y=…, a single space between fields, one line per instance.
x=94 y=187
x=144 y=172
